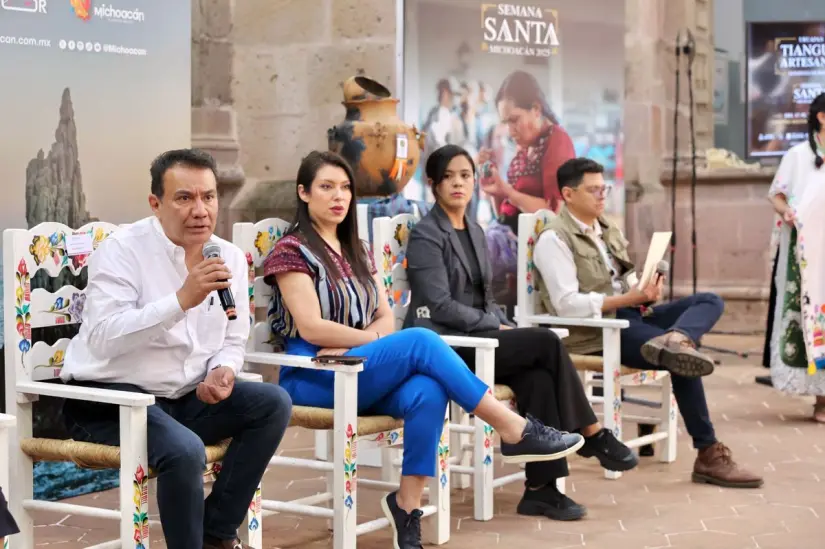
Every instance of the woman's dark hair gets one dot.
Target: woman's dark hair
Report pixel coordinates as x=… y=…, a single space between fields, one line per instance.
x=814 y=127
x=523 y=90
x=351 y=247
x=440 y=159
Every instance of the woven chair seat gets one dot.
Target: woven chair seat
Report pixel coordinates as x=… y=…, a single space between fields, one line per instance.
x=88 y=455
x=590 y=363
x=322 y=419
x=503 y=393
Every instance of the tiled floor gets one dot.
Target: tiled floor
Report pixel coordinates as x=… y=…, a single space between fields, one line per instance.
x=655 y=506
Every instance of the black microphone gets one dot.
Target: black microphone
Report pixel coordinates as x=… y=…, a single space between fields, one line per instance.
x=210 y=250
x=662 y=268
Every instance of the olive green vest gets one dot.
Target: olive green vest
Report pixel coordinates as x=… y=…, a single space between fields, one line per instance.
x=593 y=274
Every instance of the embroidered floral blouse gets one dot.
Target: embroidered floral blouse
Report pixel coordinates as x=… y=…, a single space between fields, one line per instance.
x=347 y=301
x=533 y=169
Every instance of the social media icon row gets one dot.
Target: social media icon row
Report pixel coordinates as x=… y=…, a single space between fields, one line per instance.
x=71 y=45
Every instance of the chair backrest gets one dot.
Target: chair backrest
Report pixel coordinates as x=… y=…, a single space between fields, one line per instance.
x=52 y=247
x=256 y=240
x=528 y=301
x=390 y=237
x=363 y=212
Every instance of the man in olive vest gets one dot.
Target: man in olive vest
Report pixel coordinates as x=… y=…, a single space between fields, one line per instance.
x=586 y=272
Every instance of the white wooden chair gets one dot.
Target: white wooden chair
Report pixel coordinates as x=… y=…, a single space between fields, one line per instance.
x=614 y=375
x=472 y=439
x=390 y=236
x=31 y=366
x=342 y=424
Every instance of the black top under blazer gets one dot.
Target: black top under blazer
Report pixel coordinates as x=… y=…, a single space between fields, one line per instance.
x=440 y=279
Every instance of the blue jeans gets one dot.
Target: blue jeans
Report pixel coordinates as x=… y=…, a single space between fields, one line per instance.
x=411 y=374
x=693 y=316
x=254 y=416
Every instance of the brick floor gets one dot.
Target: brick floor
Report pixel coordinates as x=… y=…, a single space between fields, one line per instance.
x=655 y=506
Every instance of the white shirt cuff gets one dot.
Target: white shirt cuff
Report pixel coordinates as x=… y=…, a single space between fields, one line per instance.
x=169 y=311
x=221 y=359
x=596 y=304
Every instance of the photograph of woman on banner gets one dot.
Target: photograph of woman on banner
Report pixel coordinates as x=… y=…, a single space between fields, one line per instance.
x=528 y=183
x=524 y=182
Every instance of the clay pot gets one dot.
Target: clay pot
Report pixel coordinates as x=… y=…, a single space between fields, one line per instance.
x=369 y=139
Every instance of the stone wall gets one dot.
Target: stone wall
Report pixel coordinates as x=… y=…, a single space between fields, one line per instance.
x=733 y=237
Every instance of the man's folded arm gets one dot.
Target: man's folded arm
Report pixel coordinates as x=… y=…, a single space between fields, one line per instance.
x=116 y=324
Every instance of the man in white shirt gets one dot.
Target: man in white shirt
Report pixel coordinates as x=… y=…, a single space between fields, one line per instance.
x=586 y=272
x=153 y=323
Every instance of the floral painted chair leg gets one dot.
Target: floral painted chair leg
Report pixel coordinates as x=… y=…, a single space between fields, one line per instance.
x=134 y=478
x=483 y=445
x=439 y=493
x=345 y=464
x=253 y=534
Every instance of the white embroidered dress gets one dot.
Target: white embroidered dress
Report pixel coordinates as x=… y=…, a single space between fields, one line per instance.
x=804 y=187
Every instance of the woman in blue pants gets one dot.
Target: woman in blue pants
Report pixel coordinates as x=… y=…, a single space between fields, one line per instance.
x=328 y=301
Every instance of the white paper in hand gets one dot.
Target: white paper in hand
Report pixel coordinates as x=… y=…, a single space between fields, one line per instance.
x=655 y=253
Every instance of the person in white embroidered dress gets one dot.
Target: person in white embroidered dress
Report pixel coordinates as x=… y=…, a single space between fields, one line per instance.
x=575 y=254
x=153 y=324
x=797 y=344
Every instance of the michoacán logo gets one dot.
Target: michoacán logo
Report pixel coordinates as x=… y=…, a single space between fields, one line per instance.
x=82 y=8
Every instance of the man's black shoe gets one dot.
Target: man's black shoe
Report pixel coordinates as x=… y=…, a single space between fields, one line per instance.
x=549 y=502
x=611 y=453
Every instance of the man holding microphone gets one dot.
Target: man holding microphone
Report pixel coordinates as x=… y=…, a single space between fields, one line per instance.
x=586 y=272
x=154 y=323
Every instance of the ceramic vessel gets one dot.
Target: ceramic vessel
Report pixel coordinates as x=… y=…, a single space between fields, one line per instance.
x=381 y=148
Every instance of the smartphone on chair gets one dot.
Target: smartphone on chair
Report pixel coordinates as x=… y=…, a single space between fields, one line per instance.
x=336 y=359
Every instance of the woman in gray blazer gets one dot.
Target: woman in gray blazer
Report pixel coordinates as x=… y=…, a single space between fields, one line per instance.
x=449 y=276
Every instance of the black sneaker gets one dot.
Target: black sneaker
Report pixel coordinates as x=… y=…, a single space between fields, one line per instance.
x=549 y=502
x=540 y=443
x=406 y=527
x=611 y=453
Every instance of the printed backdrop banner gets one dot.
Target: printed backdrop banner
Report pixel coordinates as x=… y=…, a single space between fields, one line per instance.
x=786 y=71
x=472 y=71
x=92 y=92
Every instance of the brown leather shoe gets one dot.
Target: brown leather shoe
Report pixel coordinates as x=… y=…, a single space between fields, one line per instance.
x=715 y=465
x=676 y=353
x=224 y=544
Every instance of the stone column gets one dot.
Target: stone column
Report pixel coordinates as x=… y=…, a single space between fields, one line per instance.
x=214 y=124
x=650 y=91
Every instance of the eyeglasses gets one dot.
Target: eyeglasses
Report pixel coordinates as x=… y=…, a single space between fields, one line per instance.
x=598 y=192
